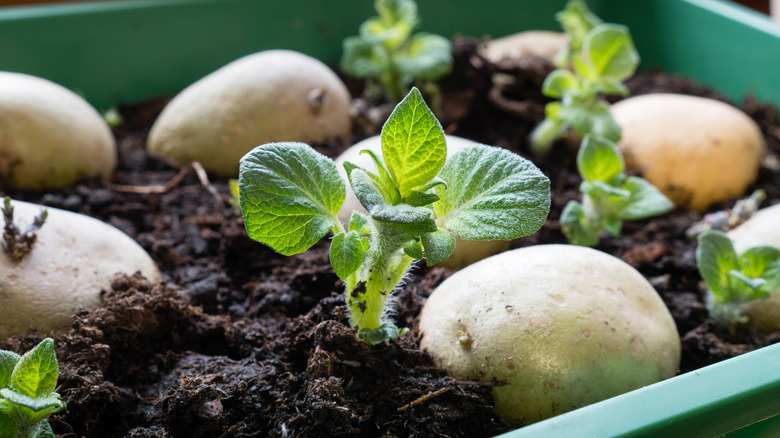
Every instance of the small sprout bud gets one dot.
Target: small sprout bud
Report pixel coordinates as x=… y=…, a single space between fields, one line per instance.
x=17 y=243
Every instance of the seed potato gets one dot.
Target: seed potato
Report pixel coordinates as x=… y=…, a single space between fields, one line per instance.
x=544 y=44
x=697 y=151
x=563 y=326
x=466 y=251
x=50 y=137
x=269 y=96
x=71 y=264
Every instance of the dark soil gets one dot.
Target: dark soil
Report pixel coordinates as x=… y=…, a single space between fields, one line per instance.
x=238 y=341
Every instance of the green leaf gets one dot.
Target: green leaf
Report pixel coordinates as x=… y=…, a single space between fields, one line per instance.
x=599 y=159
x=396 y=20
x=438 y=246
x=346 y=253
x=290 y=195
x=762 y=262
x=715 y=257
x=602 y=123
x=613 y=224
x=359 y=222
x=552 y=128
x=8 y=361
x=491 y=194
x=413 y=144
x=365 y=188
x=610 y=86
x=382 y=178
x=44 y=430
x=751 y=285
x=572 y=224
x=608 y=52
x=560 y=83
x=361 y=59
x=419 y=199
x=7 y=427
x=414 y=249
x=426 y=57
x=36 y=373
x=25 y=409
x=386 y=332
x=400 y=214
x=577 y=20
x=645 y=201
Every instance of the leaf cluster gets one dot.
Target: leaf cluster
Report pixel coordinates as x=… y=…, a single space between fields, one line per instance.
x=601 y=56
x=386 y=51
x=735 y=280
x=609 y=195
x=27 y=394
x=417 y=201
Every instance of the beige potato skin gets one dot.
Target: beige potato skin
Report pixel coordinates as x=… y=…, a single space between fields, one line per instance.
x=564 y=326
x=49 y=136
x=544 y=44
x=72 y=262
x=763 y=229
x=697 y=151
x=269 y=96
x=466 y=251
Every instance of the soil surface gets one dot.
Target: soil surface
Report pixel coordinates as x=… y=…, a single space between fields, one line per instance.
x=238 y=341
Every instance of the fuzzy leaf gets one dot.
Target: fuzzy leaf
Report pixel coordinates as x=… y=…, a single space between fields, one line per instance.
x=36 y=373
x=290 y=195
x=599 y=159
x=413 y=144
x=28 y=409
x=8 y=361
x=426 y=57
x=44 y=430
x=396 y=20
x=359 y=222
x=645 y=201
x=382 y=178
x=602 y=123
x=414 y=250
x=491 y=194
x=419 y=199
x=762 y=262
x=365 y=188
x=438 y=246
x=608 y=53
x=715 y=257
x=346 y=253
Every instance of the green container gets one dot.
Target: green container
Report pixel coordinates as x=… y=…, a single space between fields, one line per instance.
x=129 y=51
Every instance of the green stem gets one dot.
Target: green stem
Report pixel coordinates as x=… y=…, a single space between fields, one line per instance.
x=383 y=268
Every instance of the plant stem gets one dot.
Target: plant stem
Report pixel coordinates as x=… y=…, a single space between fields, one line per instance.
x=383 y=268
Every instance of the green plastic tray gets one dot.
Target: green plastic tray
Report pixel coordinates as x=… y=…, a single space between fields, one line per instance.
x=129 y=51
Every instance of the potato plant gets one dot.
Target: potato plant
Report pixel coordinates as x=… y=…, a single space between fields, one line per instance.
x=734 y=281
x=27 y=396
x=386 y=51
x=418 y=201
x=604 y=58
x=609 y=196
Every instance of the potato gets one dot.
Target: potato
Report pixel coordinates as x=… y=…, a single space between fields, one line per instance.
x=540 y=43
x=466 y=251
x=761 y=229
x=71 y=264
x=563 y=326
x=275 y=95
x=49 y=136
x=697 y=151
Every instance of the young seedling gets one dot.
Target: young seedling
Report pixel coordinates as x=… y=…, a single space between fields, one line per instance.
x=417 y=202
x=609 y=195
x=604 y=60
x=27 y=394
x=577 y=20
x=388 y=53
x=734 y=281
x=17 y=242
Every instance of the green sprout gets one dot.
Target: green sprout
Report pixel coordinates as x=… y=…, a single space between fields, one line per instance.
x=605 y=58
x=609 y=195
x=27 y=396
x=417 y=202
x=577 y=20
x=388 y=53
x=734 y=281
